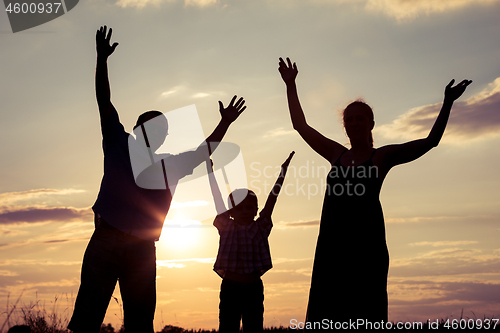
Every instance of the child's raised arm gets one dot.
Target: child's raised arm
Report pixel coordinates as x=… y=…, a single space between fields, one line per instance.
x=219 y=202
x=273 y=195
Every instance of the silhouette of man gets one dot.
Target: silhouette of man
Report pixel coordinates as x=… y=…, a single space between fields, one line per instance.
x=128 y=217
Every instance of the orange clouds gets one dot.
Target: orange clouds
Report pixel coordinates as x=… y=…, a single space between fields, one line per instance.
x=33 y=214
x=403 y=10
x=407 y=10
x=475 y=118
x=142 y=3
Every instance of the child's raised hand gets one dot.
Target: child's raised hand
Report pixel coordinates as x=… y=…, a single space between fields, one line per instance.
x=285 y=164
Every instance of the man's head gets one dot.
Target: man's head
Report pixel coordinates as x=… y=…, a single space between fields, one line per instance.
x=153 y=127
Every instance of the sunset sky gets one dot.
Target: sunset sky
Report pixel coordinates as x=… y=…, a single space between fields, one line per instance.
x=442 y=211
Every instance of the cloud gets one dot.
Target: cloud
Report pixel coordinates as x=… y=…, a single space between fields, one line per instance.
x=449 y=218
x=33 y=262
x=404 y=10
x=187 y=3
x=437 y=299
x=60 y=283
x=8 y=273
x=9 y=198
x=446 y=262
x=175 y=89
x=200 y=95
x=64 y=240
x=475 y=118
x=447 y=291
x=200 y=3
x=179 y=263
x=443 y=243
x=43 y=214
x=7 y=232
x=278 y=132
x=284 y=225
x=407 y=10
x=140 y=3
x=36 y=242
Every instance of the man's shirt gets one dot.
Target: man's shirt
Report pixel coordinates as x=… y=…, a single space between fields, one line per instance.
x=121 y=202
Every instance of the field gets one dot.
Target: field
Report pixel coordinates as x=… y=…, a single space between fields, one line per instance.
x=40 y=320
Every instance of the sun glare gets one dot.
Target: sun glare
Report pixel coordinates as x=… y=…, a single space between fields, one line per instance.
x=180 y=233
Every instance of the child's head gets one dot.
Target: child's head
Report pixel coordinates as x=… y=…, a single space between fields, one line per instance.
x=243 y=205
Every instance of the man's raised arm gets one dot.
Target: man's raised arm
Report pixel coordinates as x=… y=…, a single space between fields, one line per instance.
x=228 y=115
x=102 y=90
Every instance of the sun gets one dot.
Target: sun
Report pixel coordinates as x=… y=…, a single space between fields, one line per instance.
x=180 y=233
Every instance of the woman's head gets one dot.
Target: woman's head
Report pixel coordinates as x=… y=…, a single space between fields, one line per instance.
x=243 y=205
x=358 y=121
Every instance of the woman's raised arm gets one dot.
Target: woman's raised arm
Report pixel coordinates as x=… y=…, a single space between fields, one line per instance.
x=327 y=148
x=403 y=153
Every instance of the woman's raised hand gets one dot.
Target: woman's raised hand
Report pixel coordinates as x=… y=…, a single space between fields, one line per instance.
x=453 y=93
x=288 y=72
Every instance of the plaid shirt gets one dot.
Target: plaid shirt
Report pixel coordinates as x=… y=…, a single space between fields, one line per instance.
x=243 y=249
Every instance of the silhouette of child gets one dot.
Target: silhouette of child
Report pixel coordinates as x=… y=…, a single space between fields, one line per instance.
x=244 y=254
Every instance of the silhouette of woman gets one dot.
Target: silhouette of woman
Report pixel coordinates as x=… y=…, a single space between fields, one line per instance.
x=349 y=279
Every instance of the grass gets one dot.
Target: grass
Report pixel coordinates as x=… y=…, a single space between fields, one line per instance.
x=36 y=316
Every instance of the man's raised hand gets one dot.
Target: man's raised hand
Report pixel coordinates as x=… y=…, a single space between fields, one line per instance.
x=103 y=47
x=232 y=111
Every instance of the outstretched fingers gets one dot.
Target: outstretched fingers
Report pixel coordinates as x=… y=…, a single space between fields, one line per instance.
x=282 y=63
x=453 y=93
x=108 y=38
x=232 y=101
x=465 y=83
x=241 y=111
x=233 y=110
x=102 y=31
x=288 y=70
x=239 y=103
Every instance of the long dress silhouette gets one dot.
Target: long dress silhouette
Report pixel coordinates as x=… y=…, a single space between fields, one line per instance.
x=349 y=279
x=352 y=260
